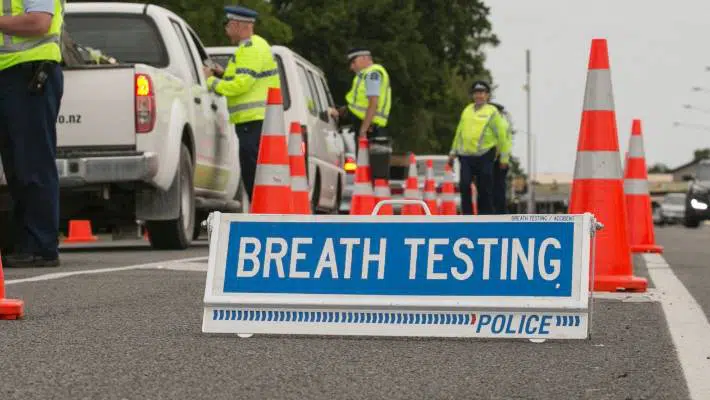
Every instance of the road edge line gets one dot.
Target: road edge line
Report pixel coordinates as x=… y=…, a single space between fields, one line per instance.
x=60 y=275
x=687 y=323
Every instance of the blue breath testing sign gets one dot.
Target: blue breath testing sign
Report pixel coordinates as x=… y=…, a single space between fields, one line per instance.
x=396 y=275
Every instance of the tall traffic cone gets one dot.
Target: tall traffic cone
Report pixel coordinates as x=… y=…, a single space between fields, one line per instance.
x=430 y=188
x=9 y=308
x=363 y=199
x=382 y=192
x=411 y=189
x=272 y=181
x=448 y=193
x=80 y=232
x=597 y=187
x=297 y=164
x=638 y=201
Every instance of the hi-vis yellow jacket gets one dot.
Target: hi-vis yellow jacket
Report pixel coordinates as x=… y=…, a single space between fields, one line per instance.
x=480 y=130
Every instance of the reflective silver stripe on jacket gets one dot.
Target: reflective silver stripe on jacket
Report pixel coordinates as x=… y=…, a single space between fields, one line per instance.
x=246 y=106
x=598 y=95
x=597 y=165
x=272 y=175
x=635 y=186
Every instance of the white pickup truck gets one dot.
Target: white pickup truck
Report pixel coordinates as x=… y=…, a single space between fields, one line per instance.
x=143 y=140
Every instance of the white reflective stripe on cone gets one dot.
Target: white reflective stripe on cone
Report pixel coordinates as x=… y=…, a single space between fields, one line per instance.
x=299 y=184
x=362 y=188
x=411 y=194
x=635 y=186
x=363 y=157
x=381 y=192
x=294 y=144
x=448 y=197
x=273 y=124
x=636 y=149
x=429 y=196
x=598 y=94
x=597 y=165
x=272 y=175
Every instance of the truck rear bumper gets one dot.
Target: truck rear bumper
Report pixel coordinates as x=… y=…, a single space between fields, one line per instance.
x=86 y=170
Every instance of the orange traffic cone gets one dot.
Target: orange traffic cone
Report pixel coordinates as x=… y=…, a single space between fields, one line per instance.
x=382 y=192
x=363 y=200
x=430 y=188
x=638 y=201
x=272 y=181
x=411 y=189
x=448 y=193
x=80 y=232
x=299 y=181
x=9 y=308
x=597 y=187
x=474 y=198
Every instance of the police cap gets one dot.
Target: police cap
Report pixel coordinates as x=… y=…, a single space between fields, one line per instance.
x=239 y=13
x=480 y=85
x=356 y=52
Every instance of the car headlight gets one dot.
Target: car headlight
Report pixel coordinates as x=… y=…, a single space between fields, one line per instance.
x=698 y=205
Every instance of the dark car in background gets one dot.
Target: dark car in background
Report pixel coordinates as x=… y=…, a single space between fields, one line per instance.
x=697 y=203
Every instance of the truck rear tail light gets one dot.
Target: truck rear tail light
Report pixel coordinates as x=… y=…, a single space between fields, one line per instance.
x=350 y=165
x=144 y=104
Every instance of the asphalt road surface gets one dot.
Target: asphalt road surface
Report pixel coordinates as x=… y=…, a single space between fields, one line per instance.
x=133 y=331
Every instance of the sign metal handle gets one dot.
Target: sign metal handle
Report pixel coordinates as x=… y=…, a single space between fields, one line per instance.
x=402 y=202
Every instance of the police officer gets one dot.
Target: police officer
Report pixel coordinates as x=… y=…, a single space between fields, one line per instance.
x=500 y=173
x=369 y=100
x=245 y=83
x=480 y=133
x=31 y=88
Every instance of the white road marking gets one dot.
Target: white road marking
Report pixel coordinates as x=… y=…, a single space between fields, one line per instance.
x=59 y=275
x=650 y=296
x=687 y=323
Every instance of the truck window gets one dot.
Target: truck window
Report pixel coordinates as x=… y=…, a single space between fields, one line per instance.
x=221 y=59
x=316 y=96
x=129 y=38
x=186 y=48
x=309 y=93
x=329 y=96
x=285 y=94
x=322 y=101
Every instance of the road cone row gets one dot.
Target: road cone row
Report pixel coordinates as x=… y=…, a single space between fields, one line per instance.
x=638 y=200
x=280 y=183
x=598 y=187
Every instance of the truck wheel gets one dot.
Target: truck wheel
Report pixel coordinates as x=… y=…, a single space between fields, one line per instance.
x=691 y=222
x=177 y=234
x=6 y=226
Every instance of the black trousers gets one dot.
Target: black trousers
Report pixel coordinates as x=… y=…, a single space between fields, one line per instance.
x=499 y=188
x=379 y=162
x=249 y=135
x=479 y=168
x=28 y=142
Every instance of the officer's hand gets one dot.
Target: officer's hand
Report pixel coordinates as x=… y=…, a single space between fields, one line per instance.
x=208 y=71
x=451 y=160
x=333 y=112
x=218 y=70
x=503 y=165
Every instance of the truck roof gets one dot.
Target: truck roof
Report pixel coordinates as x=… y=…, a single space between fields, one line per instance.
x=118 y=7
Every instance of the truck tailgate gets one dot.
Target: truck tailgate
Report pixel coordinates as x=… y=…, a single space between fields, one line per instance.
x=97 y=108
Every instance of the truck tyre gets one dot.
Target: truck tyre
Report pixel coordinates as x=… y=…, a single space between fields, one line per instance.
x=177 y=234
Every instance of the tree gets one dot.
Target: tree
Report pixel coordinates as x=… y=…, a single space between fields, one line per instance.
x=700 y=154
x=658 y=168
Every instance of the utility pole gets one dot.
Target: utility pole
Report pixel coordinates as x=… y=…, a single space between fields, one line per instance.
x=531 y=176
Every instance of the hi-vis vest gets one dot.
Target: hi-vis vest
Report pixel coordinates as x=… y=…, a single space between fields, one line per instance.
x=357 y=96
x=480 y=130
x=15 y=50
x=246 y=81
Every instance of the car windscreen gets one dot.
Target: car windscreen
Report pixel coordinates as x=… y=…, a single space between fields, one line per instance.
x=129 y=38
x=221 y=59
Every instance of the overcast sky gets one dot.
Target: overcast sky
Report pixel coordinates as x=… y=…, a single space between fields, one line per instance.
x=658 y=51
